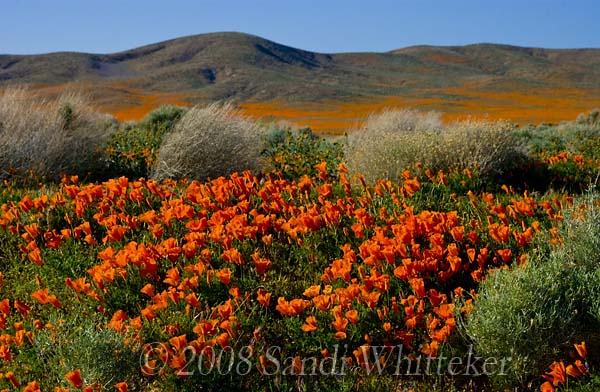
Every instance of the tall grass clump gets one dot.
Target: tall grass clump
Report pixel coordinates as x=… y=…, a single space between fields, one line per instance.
x=395 y=140
x=48 y=138
x=209 y=142
x=533 y=314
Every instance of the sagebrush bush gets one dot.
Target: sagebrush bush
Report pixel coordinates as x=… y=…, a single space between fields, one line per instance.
x=532 y=314
x=104 y=356
x=50 y=137
x=209 y=142
x=492 y=148
x=392 y=141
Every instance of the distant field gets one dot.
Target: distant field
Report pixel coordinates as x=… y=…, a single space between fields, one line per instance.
x=533 y=107
x=335 y=117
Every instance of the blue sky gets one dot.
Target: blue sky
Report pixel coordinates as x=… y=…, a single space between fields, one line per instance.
x=104 y=26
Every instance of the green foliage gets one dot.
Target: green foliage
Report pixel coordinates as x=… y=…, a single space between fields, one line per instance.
x=578 y=137
x=532 y=314
x=66 y=113
x=133 y=149
x=295 y=153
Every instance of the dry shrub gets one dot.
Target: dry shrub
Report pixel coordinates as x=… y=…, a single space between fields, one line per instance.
x=50 y=137
x=209 y=142
x=390 y=141
x=493 y=148
x=395 y=140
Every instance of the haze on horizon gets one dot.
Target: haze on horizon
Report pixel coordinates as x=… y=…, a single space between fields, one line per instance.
x=40 y=26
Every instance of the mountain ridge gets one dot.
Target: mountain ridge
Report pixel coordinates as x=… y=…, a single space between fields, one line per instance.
x=247 y=68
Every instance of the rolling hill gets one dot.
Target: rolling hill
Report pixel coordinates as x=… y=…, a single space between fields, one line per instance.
x=269 y=78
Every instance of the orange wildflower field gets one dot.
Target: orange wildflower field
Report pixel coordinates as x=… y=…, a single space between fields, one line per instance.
x=304 y=274
x=180 y=268
x=524 y=107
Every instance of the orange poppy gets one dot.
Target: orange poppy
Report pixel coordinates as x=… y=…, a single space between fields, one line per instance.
x=23 y=309
x=74 y=377
x=340 y=323
x=262 y=264
x=224 y=275
x=5 y=307
x=339 y=335
x=310 y=325
x=232 y=256
x=557 y=374
x=36 y=256
x=263 y=297
x=11 y=377
x=581 y=349
x=312 y=291
x=505 y=254
x=418 y=286
x=43 y=297
x=178 y=342
x=173 y=278
x=546 y=387
x=148 y=289
x=352 y=316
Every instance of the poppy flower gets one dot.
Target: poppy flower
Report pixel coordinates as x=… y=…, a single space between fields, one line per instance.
x=263 y=297
x=340 y=323
x=262 y=264
x=223 y=339
x=581 y=349
x=36 y=256
x=232 y=256
x=546 y=387
x=310 y=325
x=173 y=278
x=352 y=316
x=418 y=286
x=312 y=291
x=557 y=374
x=74 y=377
x=23 y=309
x=224 y=275
x=10 y=376
x=5 y=352
x=505 y=254
x=178 y=342
x=340 y=335
x=148 y=289
x=5 y=307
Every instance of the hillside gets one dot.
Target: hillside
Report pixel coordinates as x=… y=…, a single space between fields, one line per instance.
x=246 y=68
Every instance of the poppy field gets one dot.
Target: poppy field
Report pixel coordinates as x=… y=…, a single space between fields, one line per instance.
x=305 y=280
